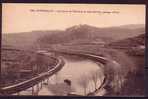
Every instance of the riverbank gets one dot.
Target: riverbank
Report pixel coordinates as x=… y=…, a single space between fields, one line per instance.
x=128 y=67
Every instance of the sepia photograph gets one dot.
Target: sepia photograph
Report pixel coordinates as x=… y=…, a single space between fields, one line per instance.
x=72 y=49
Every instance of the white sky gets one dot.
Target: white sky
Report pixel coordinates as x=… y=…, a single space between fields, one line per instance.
x=20 y=18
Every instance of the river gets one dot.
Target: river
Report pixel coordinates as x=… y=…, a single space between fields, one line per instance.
x=83 y=74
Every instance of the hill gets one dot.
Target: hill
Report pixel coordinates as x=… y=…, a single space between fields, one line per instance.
x=72 y=34
x=132 y=46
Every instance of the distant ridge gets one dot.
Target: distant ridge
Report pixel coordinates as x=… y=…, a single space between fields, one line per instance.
x=72 y=34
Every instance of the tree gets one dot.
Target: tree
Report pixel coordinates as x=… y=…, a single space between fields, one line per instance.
x=83 y=81
x=95 y=76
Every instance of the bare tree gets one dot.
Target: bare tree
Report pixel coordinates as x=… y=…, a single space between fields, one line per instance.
x=83 y=81
x=95 y=76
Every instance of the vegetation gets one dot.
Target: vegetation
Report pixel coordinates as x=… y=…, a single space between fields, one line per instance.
x=83 y=82
x=119 y=76
x=18 y=65
x=27 y=40
x=123 y=44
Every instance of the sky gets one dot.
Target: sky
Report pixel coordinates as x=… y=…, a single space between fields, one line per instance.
x=17 y=18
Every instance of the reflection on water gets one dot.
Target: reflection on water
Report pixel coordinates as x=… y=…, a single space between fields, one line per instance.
x=80 y=73
x=83 y=74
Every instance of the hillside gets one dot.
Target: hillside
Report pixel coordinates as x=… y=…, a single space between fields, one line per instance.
x=130 y=42
x=91 y=33
x=132 y=45
x=24 y=40
x=71 y=35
